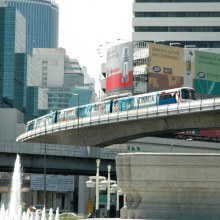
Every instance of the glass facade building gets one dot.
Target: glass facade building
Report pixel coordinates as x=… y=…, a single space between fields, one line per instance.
x=12 y=57
x=37 y=104
x=42 y=17
x=17 y=73
x=63 y=97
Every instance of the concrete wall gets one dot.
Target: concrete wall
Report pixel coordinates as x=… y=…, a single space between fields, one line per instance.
x=170 y=185
x=11 y=124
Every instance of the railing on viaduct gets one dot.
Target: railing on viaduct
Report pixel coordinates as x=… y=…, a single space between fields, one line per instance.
x=131 y=115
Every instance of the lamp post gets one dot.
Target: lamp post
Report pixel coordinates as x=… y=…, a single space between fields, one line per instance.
x=118 y=191
x=108 y=192
x=75 y=94
x=107 y=184
x=45 y=166
x=90 y=183
x=97 y=188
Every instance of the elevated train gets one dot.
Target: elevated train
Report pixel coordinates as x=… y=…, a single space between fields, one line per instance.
x=165 y=97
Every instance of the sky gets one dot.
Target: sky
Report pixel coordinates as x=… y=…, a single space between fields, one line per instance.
x=84 y=25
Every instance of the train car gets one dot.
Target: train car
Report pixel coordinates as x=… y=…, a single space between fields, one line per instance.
x=164 y=97
x=41 y=121
x=176 y=95
x=98 y=108
x=66 y=114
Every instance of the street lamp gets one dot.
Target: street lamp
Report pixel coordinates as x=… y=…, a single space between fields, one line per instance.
x=178 y=142
x=108 y=192
x=90 y=183
x=45 y=166
x=97 y=188
x=118 y=191
x=107 y=184
x=75 y=94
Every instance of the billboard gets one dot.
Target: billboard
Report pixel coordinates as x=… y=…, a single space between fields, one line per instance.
x=207 y=77
x=119 y=63
x=56 y=183
x=170 y=67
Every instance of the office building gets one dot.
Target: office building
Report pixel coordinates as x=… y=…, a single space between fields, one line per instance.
x=50 y=64
x=60 y=76
x=12 y=57
x=73 y=74
x=187 y=22
x=65 y=97
x=3 y=3
x=42 y=17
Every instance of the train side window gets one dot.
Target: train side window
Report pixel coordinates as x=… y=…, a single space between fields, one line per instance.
x=165 y=96
x=58 y=116
x=70 y=114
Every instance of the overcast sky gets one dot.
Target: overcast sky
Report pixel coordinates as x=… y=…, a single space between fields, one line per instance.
x=86 y=24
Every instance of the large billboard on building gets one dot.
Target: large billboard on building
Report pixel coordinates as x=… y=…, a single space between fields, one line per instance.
x=119 y=65
x=207 y=77
x=169 y=67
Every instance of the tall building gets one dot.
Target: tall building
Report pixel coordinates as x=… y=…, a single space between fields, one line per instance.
x=3 y=3
x=50 y=65
x=87 y=79
x=73 y=74
x=65 y=97
x=12 y=57
x=188 y=22
x=42 y=17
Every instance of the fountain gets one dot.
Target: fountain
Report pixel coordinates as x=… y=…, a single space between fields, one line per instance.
x=14 y=211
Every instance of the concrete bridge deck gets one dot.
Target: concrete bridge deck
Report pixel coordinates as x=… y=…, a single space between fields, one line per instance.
x=105 y=130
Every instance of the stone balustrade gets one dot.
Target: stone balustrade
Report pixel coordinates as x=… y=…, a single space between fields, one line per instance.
x=181 y=186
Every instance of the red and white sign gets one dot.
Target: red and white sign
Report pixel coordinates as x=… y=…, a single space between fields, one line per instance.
x=119 y=68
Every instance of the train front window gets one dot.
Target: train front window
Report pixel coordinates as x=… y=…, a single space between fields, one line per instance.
x=30 y=126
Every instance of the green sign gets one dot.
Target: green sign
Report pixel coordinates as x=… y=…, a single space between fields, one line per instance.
x=207 y=66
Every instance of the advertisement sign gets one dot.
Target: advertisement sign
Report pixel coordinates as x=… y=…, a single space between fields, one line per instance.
x=90 y=205
x=207 y=75
x=119 y=65
x=158 y=82
x=170 y=67
x=166 y=60
x=56 y=183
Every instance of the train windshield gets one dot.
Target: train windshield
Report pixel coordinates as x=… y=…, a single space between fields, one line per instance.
x=188 y=94
x=30 y=126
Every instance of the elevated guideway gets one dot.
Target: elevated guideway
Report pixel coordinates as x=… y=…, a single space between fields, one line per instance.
x=113 y=128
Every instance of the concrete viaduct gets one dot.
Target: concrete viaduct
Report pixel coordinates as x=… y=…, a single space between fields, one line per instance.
x=114 y=128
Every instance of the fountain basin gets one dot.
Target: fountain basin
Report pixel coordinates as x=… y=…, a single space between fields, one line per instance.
x=181 y=186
